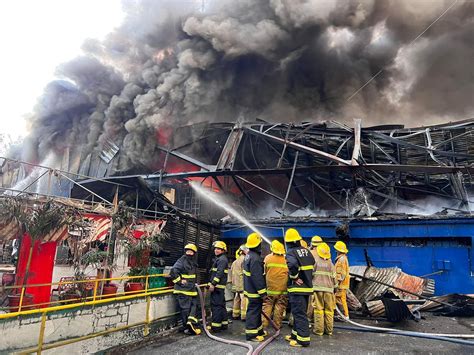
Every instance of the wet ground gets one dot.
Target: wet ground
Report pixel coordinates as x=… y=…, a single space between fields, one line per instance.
x=343 y=341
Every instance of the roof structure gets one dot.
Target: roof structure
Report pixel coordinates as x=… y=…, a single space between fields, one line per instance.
x=329 y=166
x=310 y=168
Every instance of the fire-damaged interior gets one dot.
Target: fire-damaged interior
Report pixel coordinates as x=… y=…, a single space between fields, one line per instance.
x=313 y=168
x=322 y=168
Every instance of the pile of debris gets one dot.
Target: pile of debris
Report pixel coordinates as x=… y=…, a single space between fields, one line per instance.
x=395 y=295
x=389 y=292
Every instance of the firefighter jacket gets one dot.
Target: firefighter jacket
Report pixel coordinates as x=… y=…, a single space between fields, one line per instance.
x=254 y=279
x=342 y=272
x=219 y=271
x=184 y=269
x=236 y=274
x=276 y=274
x=300 y=266
x=324 y=275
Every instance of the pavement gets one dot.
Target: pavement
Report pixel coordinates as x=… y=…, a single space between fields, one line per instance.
x=343 y=341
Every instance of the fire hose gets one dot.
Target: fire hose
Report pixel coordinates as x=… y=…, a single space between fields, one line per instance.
x=251 y=350
x=453 y=338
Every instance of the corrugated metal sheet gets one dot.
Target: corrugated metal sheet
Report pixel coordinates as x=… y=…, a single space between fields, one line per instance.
x=352 y=301
x=410 y=283
x=375 y=308
x=367 y=290
x=183 y=231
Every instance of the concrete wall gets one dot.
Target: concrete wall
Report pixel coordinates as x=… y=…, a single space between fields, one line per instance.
x=22 y=332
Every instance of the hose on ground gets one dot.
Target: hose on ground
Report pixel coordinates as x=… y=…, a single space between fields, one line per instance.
x=213 y=337
x=453 y=338
x=260 y=348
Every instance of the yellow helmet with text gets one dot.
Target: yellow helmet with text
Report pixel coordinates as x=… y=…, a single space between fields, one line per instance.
x=324 y=251
x=292 y=235
x=220 y=244
x=253 y=240
x=341 y=247
x=277 y=247
x=191 y=246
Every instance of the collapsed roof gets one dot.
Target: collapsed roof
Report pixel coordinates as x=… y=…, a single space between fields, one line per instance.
x=313 y=168
x=328 y=168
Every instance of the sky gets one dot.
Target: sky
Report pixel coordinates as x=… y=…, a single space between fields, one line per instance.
x=38 y=35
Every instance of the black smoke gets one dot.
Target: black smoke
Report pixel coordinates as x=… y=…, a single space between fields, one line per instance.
x=175 y=62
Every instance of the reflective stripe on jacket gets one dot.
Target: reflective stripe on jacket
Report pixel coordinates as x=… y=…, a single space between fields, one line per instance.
x=237 y=275
x=254 y=280
x=300 y=266
x=324 y=275
x=276 y=274
x=184 y=269
x=219 y=271
x=342 y=271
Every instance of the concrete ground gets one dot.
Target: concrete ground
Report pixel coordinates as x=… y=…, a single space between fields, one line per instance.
x=343 y=341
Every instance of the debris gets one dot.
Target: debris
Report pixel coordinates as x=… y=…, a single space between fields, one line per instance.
x=464 y=303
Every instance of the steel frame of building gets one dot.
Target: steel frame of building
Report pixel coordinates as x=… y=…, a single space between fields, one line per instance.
x=387 y=166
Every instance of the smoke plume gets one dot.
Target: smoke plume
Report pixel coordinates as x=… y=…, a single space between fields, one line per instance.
x=175 y=62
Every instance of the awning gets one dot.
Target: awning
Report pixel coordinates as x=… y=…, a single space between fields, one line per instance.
x=99 y=227
x=11 y=231
x=146 y=228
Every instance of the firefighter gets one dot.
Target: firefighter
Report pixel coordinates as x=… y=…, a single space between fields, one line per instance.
x=342 y=276
x=315 y=241
x=254 y=288
x=276 y=274
x=239 y=308
x=183 y=275
x=324 y=282
x=218 y=281
x=300 y=286
x=304 y=244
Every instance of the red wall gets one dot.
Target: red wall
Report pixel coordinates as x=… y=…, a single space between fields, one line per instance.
x=41 y=268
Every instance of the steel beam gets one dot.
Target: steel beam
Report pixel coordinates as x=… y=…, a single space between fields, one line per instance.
x=290 y=182
x=356 y=150
x=300 y=147
x=267 y=192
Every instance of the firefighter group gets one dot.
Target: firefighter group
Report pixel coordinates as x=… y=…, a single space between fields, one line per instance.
x=305 y=279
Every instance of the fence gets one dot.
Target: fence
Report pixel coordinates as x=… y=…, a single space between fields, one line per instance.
x=88 y=301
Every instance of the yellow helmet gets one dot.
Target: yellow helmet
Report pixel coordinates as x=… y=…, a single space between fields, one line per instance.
x=253 y=240
x=316 y=240
x=191 y=246
x=238 y=252
x=292 y=235
x=277 y=248
x=323 y=251
x=220 y=244
x=341 y=247
x=304 y=244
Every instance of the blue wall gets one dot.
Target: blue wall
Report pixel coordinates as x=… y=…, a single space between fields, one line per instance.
x=418 y=246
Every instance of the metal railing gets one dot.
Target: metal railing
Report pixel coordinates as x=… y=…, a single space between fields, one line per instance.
x=98 y=283
x=93 y=300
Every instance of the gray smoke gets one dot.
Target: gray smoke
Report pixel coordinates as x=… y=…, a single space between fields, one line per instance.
x=176 y=62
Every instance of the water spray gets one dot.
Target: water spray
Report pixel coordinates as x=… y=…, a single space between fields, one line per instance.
x=216 y=199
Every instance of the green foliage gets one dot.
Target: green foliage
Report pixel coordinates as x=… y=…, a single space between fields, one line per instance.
x=94 y=258
x=36 y=219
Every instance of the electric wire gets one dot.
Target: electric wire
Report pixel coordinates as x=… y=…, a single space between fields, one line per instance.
x=409 y=44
